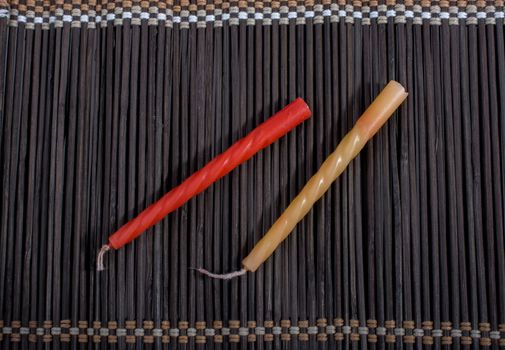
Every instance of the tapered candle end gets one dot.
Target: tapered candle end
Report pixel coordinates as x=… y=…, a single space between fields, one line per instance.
x=99 y=258
x=224 y=276
x=382 y=108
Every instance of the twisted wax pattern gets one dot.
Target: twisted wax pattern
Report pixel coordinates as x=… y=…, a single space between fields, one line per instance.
x=265 y=134
x=193 y=185
x=366 y=126
x=318 y=184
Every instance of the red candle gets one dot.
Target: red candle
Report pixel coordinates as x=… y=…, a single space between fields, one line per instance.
x=264 y=135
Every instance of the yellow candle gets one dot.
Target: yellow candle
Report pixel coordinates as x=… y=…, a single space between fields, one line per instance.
x=367 y=125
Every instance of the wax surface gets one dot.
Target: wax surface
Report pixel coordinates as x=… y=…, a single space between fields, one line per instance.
x=265 y=134
x=366 y=126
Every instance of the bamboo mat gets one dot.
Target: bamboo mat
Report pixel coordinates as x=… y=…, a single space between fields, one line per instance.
x=106 y=106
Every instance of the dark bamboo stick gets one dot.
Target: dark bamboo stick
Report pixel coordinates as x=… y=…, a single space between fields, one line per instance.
x=124 y=191
x=132 y=38
x=328 y=132
x=310 y=166
x=269 y=170
x=289 y=68
x=404 y=37
x=487 y=183
x=176 y=170
x=9 y=171
x=500 y=56
x=476 y=175
x=38 y=126
x=227 y=137
x=234 y=96
x=301 y=174
x=196 y=160
x=357 y=220
x=210 y=151
x=369 y=217
x=319 y=140
x=184 y=310
x=439 y=245
x=349 y=217
x=249 y=228
x=69 y=243
x=95 y=55
x=142 y=259
x=275 y=301
x=336 y=266
x=151 y=166
x=24 y=245
x=81 y=243
x=430 y=254
x=470 y=214
x=456 y=89
x=496 y=171
x=203 y=157
x=451 y=251
x=419 y=227
x=159 y=125
x=382 y=204
x=167 y=177
x=219 y=195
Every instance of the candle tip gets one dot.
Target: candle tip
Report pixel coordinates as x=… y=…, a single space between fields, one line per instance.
x=225 y=276
x=99 y=258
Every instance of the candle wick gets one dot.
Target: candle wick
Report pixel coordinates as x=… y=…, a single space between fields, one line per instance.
x=225 y=276
x=99 y=258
